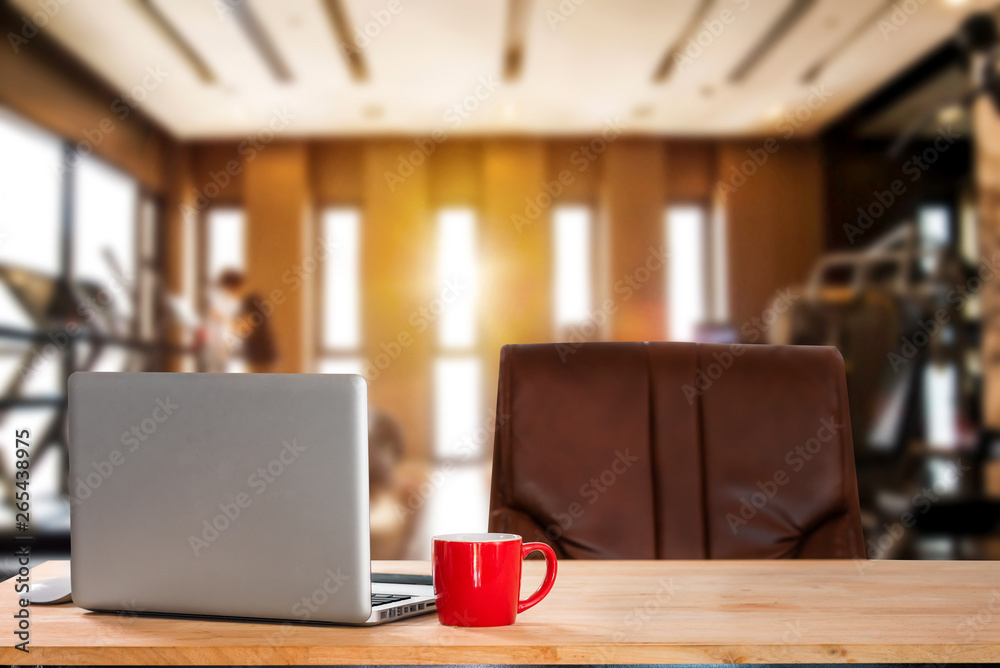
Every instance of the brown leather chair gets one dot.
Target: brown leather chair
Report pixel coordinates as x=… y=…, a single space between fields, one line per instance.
x=676 y=451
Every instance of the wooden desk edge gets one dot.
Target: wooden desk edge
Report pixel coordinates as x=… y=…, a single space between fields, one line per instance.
x=444 y=654
x=521 y=655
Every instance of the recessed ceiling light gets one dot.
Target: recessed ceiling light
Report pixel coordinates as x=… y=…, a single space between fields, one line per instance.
x=642 y=111
x=508 y=110
x=950 y=114
x=240 y=111
x=774 y=113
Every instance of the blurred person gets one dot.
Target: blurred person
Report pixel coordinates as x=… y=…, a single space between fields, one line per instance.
x=238 y=326
x=390 y=528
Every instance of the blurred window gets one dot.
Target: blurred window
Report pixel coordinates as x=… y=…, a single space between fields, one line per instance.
x=934 y=231
x=105 y=250
x=342 y=365
x=457 y=373
x=66 y=216
x=458 y=407
x=30 y=237
x=341 y=283
x=941 y=406
x=687 y=290
x=456 y=271
x=104 y=243
x=573 y=265
x=459 y=502
x=226 y=241
x=341 y=291
x=30 y=197
x=461 y=434
x=226 y=238
x=47 y=510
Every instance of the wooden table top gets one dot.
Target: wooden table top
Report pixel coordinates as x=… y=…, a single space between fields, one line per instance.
x=598 y=612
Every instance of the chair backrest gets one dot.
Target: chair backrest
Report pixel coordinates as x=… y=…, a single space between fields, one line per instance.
x=676 y=451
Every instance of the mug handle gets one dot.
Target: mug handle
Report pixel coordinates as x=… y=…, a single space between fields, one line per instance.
x=550 y=574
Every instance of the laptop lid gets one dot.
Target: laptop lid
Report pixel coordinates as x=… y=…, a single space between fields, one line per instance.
x=220 y=494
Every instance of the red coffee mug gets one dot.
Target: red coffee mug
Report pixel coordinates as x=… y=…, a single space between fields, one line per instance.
x=477 y=578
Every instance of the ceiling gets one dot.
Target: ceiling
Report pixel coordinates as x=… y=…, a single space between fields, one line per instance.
x=230 y=67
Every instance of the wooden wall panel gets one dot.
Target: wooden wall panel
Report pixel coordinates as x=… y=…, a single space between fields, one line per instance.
x=278 y=218
x=398 y=286
x=633 y=197
x=178 y=209
x=774 y=222
x=585 y=168
x=219 y=172
x=515 y=299
x=456 y=171
x=987 y=133
x=178 y=206
x=337 y=171
x=690 y=170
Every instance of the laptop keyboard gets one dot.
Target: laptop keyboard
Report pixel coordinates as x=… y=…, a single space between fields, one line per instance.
x=385 y=599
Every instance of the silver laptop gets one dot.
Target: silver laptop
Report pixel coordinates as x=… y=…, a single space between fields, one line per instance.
x=230 y=495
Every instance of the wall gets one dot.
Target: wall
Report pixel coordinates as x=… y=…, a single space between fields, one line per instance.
x=859 y=175
x=987 y=170
x=280 y=252
x=775 y=230
x=774 y=220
